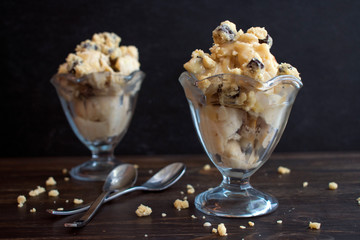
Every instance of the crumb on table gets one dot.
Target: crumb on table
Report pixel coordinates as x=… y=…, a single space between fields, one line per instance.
x=190 y=189
x=314 y=225
x=222 y=229
x=207 y=167
x=143 y=211
x=181 y=204
x=33 y=210
x=53 y=193
x=207 y=224
x=36 y=191
x=21 y=199
x=283 y=170
x=333 y=185
x=78 y=201
x=50 y=181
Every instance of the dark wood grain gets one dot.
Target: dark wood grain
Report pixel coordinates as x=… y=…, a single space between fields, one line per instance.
x=338 y=211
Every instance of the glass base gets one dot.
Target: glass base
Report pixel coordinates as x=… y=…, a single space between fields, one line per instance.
x=93 y=170
x=244 y=203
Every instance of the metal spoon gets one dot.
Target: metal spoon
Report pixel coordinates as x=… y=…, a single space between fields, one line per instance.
x=163 y=179
x=122 y=176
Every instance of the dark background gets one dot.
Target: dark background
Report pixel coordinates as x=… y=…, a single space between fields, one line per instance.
x=320 y=38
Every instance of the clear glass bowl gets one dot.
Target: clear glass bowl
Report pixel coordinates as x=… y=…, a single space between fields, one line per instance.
x=239 y=122
x=99 y=108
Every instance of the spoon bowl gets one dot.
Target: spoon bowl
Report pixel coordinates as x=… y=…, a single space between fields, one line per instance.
x=122 y=176
x=164 y=178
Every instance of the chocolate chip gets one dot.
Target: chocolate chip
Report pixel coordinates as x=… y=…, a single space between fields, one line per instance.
x=227 y=30
x=255 y=64
x=284 y=68
x=268 y=40
x=74 y=64
x=219 y=90
x=89 y=46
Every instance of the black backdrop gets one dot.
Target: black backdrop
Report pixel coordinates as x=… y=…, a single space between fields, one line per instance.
x=320 y=38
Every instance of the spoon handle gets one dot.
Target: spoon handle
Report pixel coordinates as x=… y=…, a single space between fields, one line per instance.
x=87 y=206
x=90 y=213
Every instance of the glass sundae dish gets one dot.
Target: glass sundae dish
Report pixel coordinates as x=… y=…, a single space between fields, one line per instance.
x=98 y=88
x=240 y=99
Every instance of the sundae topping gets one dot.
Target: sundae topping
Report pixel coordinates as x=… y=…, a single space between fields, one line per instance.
x=235 y=52
x=101 y=54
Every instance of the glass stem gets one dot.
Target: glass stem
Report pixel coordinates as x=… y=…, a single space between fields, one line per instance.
x=236 y=184
x=103 y=155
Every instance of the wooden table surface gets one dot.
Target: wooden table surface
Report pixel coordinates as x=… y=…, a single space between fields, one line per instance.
x=336 y=210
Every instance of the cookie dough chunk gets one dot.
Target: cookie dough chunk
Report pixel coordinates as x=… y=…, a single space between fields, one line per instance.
x=143 y=211
x=181 y=204
x=222 y=230
x=21 y=199
x=36 y=191
x=226 y=32
x=287 y=69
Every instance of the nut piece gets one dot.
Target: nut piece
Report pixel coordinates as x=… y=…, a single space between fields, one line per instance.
x=50 y=181
x=190 y=189
x=179 y=204
x=53 y=193
x=333 y=185
x=222 y=229
x=283 y=170
x=36 y=191
x=78 y=201
x=207 y=224
x=33 y=210
x=21 y=199
x=314 y=225
x=143 y=211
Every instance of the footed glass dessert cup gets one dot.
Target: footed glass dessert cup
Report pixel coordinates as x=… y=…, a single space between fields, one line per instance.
x=239 y=122
x=99 y=107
